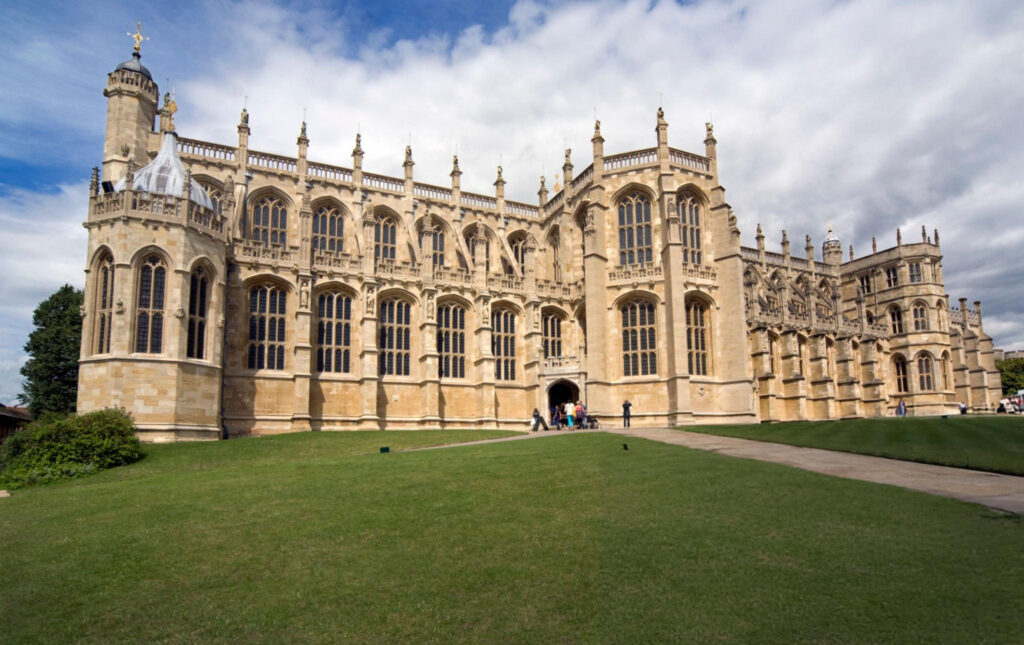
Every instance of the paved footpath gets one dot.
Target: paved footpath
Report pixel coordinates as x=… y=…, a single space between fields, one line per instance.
x=1004 y=492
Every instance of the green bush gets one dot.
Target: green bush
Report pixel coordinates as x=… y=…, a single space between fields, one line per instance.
x=65 y=446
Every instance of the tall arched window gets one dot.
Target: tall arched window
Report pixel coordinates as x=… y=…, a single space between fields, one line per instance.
x=394 y=323
x=104 y=303
x=451 y=340
x=556 y=264
x=216 y=196
x=385 y=238
x=503 y=344
x=519 y=251
x=635 y=238
x=899 y=365
x=920 y=318
x=697 y=332
x=689 y=223
x=432 y=242
x=801 y=354
x=552 y=335
x=639 y=346
x=773 y=353
x=198 y=298
x=896 y=316
x=149 y=314
x=267 y=306
x=924 y=372
x=333 y=332
x=269 y=221
x=328 y=230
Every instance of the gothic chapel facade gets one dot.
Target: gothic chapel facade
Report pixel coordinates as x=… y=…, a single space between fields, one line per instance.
x=232 y=292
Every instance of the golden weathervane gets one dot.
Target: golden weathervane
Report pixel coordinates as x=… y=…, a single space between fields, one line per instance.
x=137 y=37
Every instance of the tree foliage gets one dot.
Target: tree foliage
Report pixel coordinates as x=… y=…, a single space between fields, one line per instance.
x=59 y=446
x=1011 y=371
x=51 y=372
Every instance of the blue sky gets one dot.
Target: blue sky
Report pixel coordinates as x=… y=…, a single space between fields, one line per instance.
x=871 y=114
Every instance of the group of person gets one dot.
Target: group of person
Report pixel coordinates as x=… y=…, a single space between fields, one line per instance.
x=569 y=415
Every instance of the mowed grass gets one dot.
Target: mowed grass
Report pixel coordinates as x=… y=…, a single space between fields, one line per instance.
x=993 y=443
x=559 y=539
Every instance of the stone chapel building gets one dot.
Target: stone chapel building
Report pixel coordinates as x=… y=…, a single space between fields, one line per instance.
x=232 y=292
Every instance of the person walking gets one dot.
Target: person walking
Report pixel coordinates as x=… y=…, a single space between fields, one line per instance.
x=538 y=421
x=626 y=405
x=570 y=411
x=556 y=419
x=581 y=420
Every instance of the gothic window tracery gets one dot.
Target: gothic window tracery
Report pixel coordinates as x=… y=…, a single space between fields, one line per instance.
x=635 y=236
x=395 y=325
x=269 y=218
x=451 y=340
x=639 y=340
x=104 y=304
x=896 y=317
x=503 y=343
x=198 y=299
x=333 y=332
x=920 y=314
x=328 y=230
x=900 y=368
x=385 y=239
x=267 y=308
x=149 y=313
x=697 y=333
x=924 y=372
x=552 y=335
x=690 y=228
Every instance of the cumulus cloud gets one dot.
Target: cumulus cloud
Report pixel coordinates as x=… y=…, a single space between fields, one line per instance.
x=42 y=248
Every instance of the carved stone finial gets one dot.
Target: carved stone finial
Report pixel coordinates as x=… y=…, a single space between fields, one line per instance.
x=408 y=156
x=302 y=130
x=710 y=128
x=936 y=237
x=851 y=252
x=455 y=165
x=500 y=179
x=358 y=150
x=597 y=127
x=759 y=232
x=899 y=237
x=661 y=117
x=243 y=118
x=94 y=181
x=568 y=155
x=924 y=234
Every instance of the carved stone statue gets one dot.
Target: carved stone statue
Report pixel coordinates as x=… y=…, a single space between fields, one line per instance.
x=244 y=118
x=304 y=293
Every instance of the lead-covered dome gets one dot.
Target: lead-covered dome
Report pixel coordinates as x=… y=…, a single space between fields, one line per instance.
x=165 y=175
x=135 y=65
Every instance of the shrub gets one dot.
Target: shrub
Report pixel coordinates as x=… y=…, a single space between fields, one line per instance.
x=64 y=446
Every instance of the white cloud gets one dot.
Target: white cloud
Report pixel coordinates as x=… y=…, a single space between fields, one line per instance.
x=43 y=247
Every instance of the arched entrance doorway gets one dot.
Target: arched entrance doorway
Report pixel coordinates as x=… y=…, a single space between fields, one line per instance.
x=562 y=391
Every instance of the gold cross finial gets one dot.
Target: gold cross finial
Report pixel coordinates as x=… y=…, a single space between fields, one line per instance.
x=137 y=37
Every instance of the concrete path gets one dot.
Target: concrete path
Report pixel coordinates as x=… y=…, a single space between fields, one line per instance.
x=1003 y=492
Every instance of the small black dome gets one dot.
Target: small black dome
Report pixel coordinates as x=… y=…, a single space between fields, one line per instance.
x=135 y=65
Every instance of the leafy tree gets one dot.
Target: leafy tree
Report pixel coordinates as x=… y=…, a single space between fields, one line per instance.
x=51 y=373
x=1011 y=371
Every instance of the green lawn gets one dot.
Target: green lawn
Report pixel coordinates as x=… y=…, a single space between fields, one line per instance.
x=306 y=538
x=993 y=443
